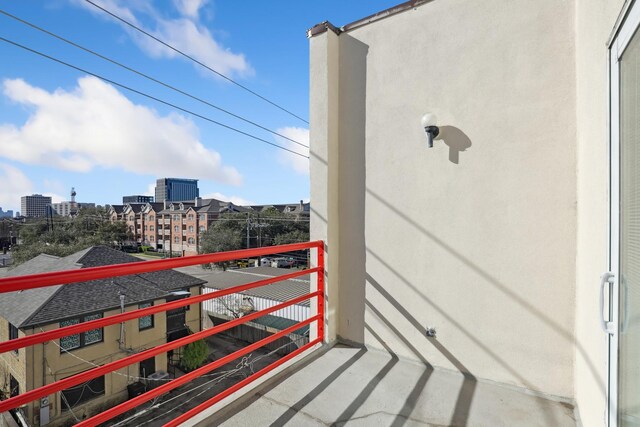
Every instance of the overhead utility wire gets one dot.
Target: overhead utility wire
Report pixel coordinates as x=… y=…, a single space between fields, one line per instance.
x=193 y=59
x=150 y=96
x=146 y=76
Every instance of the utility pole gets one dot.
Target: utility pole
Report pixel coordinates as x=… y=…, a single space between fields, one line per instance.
x=248 y=224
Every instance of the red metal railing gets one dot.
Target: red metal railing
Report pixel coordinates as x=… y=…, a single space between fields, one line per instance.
x=83 y=275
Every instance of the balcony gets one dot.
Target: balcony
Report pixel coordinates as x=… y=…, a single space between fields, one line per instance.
x=316 y=384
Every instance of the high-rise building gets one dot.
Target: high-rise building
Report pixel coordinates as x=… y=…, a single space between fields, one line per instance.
x=176 y=189
x=71 y=207
x=7 y=214
x=34 y=205
x=137 y=199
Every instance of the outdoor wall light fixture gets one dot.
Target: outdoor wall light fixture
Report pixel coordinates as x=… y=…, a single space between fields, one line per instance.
x=430 y=128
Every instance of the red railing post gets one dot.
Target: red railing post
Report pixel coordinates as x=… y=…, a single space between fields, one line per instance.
x=321 y=290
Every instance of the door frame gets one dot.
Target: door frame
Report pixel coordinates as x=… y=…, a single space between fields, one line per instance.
x=617 y=47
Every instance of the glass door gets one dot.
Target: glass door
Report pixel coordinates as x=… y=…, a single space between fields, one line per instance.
x=624 y=326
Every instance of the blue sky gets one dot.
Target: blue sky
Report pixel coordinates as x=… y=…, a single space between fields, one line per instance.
x=61 y=128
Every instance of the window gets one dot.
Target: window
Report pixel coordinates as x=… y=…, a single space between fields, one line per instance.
x=176 y=228
x=152 y=218
x=176 y=239
x=202 y=228
x=145 y=322
x=80 y=393
x=152 y=228
x=131 y=218
x=83 y=339
x=191 y=229
x=176 y=217
x=13 y=334
x=14 y=386
x=146 y=228
x=190 y=217
x=192 y=240
x=151 y=238
x=203 y=217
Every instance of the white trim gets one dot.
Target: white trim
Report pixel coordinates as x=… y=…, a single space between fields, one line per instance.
x=628 y=29
x=614 y=231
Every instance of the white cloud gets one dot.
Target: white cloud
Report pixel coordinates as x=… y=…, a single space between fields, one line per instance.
x=18 y=185
x=238 y=201
x=151 y=189
x=185 y=33
x=96 y=126
x=190 y=8
x=54 y=185
x=298 y=163
x=56 y=198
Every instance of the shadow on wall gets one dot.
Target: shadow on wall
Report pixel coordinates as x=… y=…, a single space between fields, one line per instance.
x=456 y=140
x=462 y=408
x=489 y=279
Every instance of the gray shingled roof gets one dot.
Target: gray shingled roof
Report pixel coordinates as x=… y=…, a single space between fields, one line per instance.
x=52 y=304
x=280 y=291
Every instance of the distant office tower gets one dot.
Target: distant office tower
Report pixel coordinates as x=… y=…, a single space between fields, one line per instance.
x=137 y=199
x=70 y=208
x=34 y=205
x=176 y=189
x=7 y=214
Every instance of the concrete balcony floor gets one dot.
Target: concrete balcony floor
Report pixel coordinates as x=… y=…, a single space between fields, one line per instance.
x=356 y=387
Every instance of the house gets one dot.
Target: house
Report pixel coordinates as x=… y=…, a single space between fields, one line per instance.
x=42 y=309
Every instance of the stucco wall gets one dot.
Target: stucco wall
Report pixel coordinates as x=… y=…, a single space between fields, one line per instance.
x=477 y=236
x=594 y=21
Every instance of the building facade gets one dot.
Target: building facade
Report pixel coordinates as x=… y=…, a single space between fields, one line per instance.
x=176 y=189
x=137 y=199
x=172 y=227
x=70 y=208
x=30 y=312
x=7 y=214
x=34 y=205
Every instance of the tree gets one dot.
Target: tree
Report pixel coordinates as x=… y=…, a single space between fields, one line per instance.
x=62 y=236
x=194 y=355
x=220 y=239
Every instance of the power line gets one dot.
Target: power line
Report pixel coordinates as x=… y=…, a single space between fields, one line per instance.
x=146 y=76
x=193 y=59
x=129 y=88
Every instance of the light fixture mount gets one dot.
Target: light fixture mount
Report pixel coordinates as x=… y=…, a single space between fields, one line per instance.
x=429 y=124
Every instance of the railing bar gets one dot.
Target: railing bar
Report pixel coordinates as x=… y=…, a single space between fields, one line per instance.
x=218 y=397
x=32 y=281
x=82 y=377
x=118 y=318
x=136 y=401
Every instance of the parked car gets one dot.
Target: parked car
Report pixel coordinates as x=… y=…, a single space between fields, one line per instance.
x=282 y=262
x=265 y=262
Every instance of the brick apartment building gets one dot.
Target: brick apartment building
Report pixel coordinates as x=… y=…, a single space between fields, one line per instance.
x=176 y=227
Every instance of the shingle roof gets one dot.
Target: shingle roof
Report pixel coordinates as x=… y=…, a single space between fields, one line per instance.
x=280 y=291
x=52 y=304
x=117 y=208
x=157 y=207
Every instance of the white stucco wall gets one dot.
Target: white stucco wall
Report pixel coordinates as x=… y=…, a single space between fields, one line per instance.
x=477 y=236
x=594 y=22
